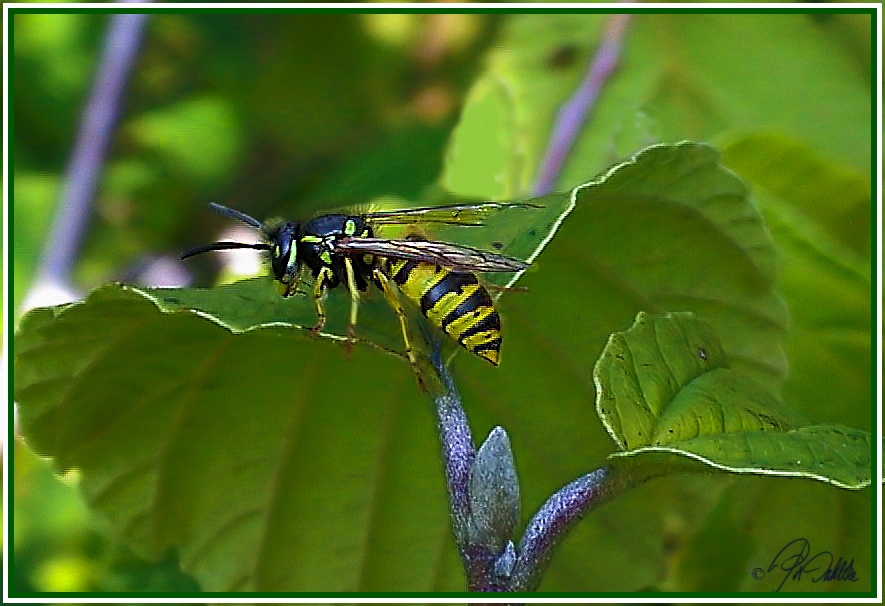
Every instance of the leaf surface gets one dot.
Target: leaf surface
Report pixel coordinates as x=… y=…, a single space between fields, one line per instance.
x=663 y=386
x=240 y=450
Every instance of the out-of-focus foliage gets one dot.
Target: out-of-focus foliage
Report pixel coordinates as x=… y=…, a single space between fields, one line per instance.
x=273 y=115
x=285 y=115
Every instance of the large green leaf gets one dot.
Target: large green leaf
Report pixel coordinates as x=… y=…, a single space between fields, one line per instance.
x=164 y=396
x=835 y=198
x=818 y=213
x=221 y=446
x=664 y=386
x=671 y=229
x=668 y=230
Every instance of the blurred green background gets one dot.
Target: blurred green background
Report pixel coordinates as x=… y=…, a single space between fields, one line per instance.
x=286 y=115
x=277 y=116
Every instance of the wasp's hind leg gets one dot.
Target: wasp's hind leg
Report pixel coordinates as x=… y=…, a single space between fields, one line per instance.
x=354 y=305
x=392 y=298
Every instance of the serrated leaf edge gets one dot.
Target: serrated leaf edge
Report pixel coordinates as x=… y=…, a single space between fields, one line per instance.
x=257 y=327
x=216 y=320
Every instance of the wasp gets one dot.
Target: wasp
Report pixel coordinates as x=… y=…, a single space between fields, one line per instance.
x=439 y=278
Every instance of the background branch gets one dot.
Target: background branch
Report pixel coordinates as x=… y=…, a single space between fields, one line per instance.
x=574 y=112
x=122 y=43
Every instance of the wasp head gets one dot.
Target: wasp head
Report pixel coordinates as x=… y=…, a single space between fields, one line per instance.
x=280 y=241
x=283 y=246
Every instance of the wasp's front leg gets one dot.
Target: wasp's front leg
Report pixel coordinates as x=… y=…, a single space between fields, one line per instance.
x=287 y=288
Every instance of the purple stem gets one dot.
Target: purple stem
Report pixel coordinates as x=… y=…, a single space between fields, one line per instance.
x=458 y=452
x=122 y=44
x=574 y=112
x=557 y=516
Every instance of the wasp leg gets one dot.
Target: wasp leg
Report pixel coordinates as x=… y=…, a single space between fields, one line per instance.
x=354 y=305
x=287 y=289
x=392 y=298
x=319 y=289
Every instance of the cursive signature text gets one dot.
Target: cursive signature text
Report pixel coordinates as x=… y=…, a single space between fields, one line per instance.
x=796 y=560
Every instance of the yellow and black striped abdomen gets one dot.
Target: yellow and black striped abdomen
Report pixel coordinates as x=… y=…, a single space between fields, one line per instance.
x=456 y=302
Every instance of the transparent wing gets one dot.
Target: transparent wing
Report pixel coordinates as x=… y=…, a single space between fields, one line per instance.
x=454 y=257
x=455 y=214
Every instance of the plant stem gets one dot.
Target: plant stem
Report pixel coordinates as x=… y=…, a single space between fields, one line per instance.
x=123 y=41
x=457 y=449
x=556 y=517
x=547 y=528
x=574 y=112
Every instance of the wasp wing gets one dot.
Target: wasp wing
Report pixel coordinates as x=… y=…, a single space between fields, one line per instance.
x=454 y=214
x=457 y=258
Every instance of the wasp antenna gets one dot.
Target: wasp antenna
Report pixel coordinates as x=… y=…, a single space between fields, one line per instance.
x=235 y=214
x=221 y=246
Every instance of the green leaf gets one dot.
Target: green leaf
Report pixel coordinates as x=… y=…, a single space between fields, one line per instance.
x=249 y=305
x=668 y=229
x=671 y=229
x=239 y=450
x=663 y=386
x=835 y=198
x=480 y=158
x=201 y=136
x=819 y=217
